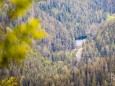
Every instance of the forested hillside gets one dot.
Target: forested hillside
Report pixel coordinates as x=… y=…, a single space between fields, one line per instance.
x=77 y=18
x=102 y=44
x=53 y=60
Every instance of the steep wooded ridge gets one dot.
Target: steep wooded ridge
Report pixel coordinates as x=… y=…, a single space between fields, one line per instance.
x=103 y=43
x=54 y=62
x=67 y=19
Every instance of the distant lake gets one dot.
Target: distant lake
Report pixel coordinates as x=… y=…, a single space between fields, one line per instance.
x=80 y=38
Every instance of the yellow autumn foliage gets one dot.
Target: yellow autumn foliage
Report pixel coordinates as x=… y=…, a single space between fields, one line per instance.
x=11 y=38
x=15 y=43
x=20 y=7
x=12 y=81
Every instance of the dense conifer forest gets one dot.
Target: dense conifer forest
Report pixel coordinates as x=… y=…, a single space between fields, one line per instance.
x=57 y=42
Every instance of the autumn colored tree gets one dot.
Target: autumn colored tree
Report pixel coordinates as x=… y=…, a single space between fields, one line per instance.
x=15 y=40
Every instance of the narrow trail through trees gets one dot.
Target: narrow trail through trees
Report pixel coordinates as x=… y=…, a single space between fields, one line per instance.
x=79 y=54
x=79 y=49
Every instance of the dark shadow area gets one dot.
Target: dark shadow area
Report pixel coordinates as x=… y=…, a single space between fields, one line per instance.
x=80 y=37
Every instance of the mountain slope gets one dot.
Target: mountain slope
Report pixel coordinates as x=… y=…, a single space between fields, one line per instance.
x=65 y=20
x=103 y=43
